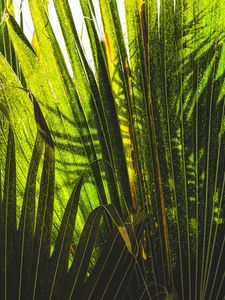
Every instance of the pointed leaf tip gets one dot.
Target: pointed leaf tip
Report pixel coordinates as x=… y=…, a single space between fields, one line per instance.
x=40 y=120
x=125 y=236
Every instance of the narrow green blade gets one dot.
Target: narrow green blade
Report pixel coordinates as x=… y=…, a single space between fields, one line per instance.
x=27 y=219
x=78 y=271
x=111 y=275
x=43 y=232
x=60 y=257
x=8 y=223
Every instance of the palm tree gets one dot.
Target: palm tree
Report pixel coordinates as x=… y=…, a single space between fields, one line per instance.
x=141 y=132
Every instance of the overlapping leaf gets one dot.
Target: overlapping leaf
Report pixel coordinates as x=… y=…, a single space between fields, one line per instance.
x=149 y=123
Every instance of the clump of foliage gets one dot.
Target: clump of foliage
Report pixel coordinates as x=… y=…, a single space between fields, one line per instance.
x=28 y=269
x=145 y=123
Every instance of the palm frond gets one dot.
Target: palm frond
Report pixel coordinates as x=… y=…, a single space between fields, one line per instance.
x=28 y=268
x=144 y=123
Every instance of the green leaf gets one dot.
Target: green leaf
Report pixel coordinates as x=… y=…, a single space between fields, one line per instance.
x=89 y=94
x=6 y=47
x=109 y=107
x=115 y=217
x=112 y=273
x=26 y=226
x=60 y=257
x=69 y=126
x=20 y=115
x=8 y=223
x=43 y=231
x=27 y=219
x=78 y=271
x=52 y=57
x=146 y=124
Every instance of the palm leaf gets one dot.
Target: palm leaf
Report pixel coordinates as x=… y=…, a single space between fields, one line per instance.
x=146 y=125
x=77 y=274
x=8 y=222
x=27 y=219
x=32 y=271
x=103 y=284
x=60 y=256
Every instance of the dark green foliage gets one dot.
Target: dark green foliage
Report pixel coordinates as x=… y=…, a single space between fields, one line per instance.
x=8 y=245
x=140 y=129
x=28 y=269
